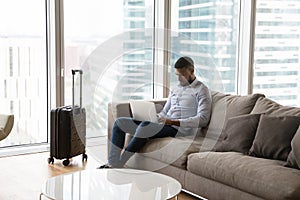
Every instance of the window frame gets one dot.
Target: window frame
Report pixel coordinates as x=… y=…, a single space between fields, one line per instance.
x=41 y=145
x=162 y=24
x=246 y=47
x=161 y=59
x=245 y=51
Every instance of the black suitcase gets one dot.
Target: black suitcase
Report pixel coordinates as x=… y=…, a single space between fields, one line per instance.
x=68 y=129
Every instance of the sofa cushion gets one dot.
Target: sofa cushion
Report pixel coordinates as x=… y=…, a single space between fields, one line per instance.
x=172 y=151
x=273 y=137
x=238 y=134
x=272 y=108
x=294 y=156
x=266 y=178
x=225 y=106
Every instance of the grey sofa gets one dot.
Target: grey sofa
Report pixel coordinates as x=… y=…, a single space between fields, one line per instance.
x=217 y=175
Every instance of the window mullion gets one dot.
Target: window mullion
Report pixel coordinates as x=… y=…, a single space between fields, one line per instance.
x=246 y=47
x=161 y=48
x=59 y=51
x=167 y=47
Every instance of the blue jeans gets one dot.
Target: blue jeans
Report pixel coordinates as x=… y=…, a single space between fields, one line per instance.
x=141 y=131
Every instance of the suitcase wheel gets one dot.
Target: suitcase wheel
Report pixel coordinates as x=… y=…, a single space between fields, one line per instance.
x=84 y=157
x=66 y=162
x=50 y=160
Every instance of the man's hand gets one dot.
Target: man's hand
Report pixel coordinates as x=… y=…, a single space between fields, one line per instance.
x=169 y=121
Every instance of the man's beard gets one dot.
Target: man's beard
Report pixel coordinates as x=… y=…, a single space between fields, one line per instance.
x=187 y=81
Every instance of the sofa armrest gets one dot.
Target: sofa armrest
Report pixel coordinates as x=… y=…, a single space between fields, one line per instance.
x=122 y=109
x=116 y=110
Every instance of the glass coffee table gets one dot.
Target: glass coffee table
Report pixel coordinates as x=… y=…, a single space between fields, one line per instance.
x=111 y=184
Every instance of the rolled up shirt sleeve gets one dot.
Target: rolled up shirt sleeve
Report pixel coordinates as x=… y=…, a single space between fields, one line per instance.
x=201 y=119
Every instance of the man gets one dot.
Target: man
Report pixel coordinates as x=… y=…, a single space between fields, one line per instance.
x=187 y=109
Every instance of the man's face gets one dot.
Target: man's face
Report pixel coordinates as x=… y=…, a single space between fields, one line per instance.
x=184 y=75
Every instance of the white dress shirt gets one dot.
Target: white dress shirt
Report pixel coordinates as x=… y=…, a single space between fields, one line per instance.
x=191 y=105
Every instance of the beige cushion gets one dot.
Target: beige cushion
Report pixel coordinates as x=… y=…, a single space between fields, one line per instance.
x=170 y=150
x=273 y=137
x=268 y=179
x=2 y=134
x=238 y=134
x=225 y=106
x=294 y=156
x=267 y=106
x=6 y=125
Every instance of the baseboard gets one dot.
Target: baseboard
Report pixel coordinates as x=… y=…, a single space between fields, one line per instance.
x=25 y=149
x=44 y=147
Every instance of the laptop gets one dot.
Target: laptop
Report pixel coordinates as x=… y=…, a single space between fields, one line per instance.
x=143 y=110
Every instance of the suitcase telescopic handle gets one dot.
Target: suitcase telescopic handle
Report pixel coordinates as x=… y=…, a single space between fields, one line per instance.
x=73 y=91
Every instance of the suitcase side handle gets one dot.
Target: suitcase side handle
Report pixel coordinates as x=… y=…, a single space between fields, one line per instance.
x=73 y=91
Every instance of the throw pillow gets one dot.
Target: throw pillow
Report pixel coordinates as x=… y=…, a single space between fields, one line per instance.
x=238 y=134
x=225 y=106
x=293 y=159
x=273 y=137
x=272 y=108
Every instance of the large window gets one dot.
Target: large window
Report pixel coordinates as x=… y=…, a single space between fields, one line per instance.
x=23 y=71
x=123 y=53
x=112 y=43
x=277 y=51
x=207 y=31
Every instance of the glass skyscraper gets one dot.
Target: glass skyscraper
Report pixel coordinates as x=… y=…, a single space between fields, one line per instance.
x=277 y=51
x=208 y=32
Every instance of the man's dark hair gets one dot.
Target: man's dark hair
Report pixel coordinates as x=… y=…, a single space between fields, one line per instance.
x=184 y=62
